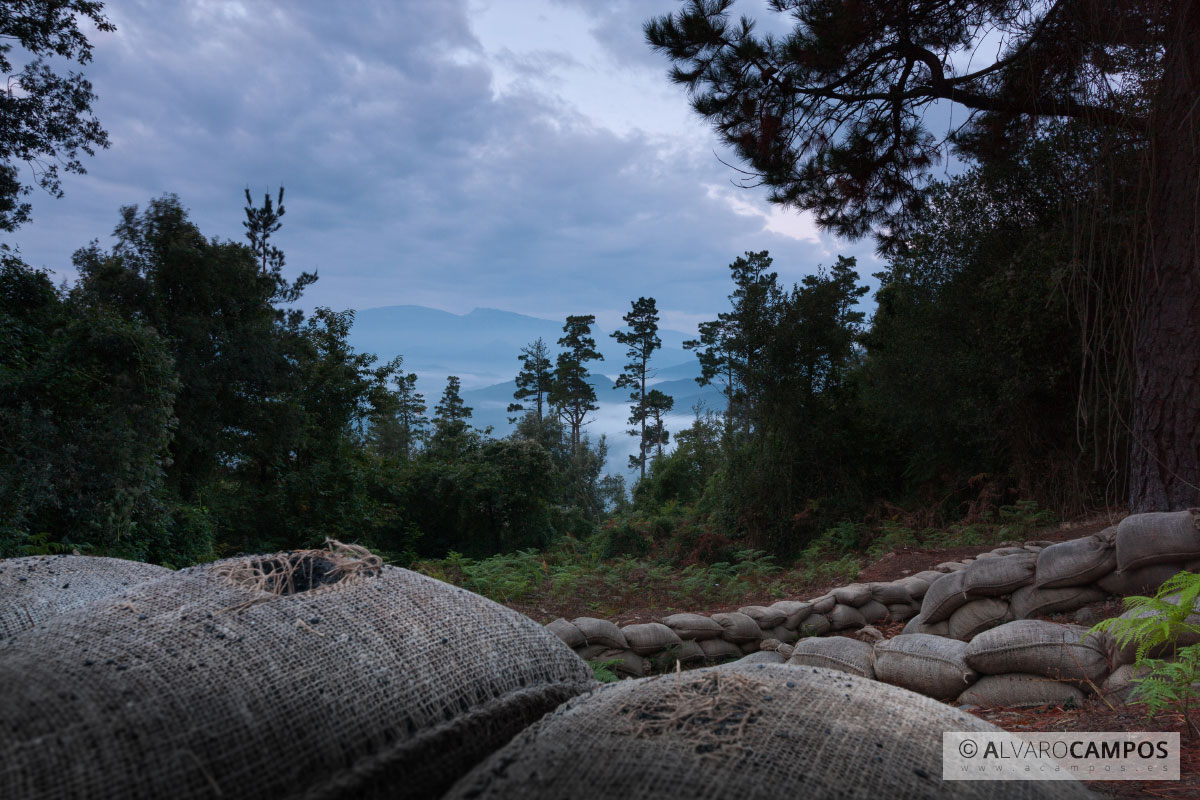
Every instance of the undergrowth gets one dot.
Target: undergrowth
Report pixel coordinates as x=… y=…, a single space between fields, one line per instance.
x=638 y=562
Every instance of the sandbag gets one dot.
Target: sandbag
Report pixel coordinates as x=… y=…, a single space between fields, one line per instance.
x=1036 y=647
x=320 y=673
x=929 y=576
x=978 y=616
x=687 y=652
x=823 y=605
x=35 y=588
x=928 y=665
x=994 y=577
x=764 y=616
x=1016 y=690
x=718 y=649
x=1031 y=601
x=853 y=595
x=737 y=627
x=1009 y=550
x=693 y=626
x=1075 y=563
x=783 y=634
x=950 y=566
x=649 y=638
x=815 y=625
x=902 y=612
x=572 y=637
x=625 y=663
x=601 y=631
x=915 y=586
x=752 y=646
x=944 y=597
x=835 y=652
x=918 y=625
x=746 y=731
x=873 y=611
x=591 y=652
x=845 y=617
x=1143 y=581
x=889 y=593
x=794 y=612
x=761 y=657
x=1158 y=538
x=1118 y=689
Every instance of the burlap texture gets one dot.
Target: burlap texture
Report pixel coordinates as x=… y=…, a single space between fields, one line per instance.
x=385 y=684
x=765 y=616
x=601 y=631
x=873 y=611
x=737 y=627
x=693 y=626
x=648 y=638
x=978 y=616
x=1030 y=601
x=891 y=593
x=816 y=625
x=845 y=617
x=752 y=732
x=918 y=625
x=854 y=594
x=36 y=588
x=1075 y=563
x=928 y=665
x=719 y=649
x=823 y=604
x=795 y=612
x=1142 y=581
x=1158 y=538
x=944 y=597
x=835 y=652
x=993 y=577
x=902 y=612
x=916 y=587
x=1036 y=647
x=1017 y=690
x=571 y=636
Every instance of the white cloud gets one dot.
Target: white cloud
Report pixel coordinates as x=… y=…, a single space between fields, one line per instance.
x=798 y=225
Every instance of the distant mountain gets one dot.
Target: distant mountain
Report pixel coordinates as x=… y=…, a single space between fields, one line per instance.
x=481 y=348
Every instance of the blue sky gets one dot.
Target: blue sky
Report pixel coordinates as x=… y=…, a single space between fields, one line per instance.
x=527 y=155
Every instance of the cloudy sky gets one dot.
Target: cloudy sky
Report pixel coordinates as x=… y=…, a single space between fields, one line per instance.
x=527 y=155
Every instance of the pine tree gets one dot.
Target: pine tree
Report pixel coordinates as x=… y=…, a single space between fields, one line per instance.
x=658 y=405
x=535 y=378
x=641 y=340
x=571 y=394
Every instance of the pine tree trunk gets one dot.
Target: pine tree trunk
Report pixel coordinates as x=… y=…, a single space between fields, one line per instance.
x=1165 y=458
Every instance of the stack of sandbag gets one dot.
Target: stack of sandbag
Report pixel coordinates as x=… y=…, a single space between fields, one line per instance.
x=930 y=665
x=752 y=731
x=314 y=673
x=36 y=588
x=1034 y=662
x=1151 y=548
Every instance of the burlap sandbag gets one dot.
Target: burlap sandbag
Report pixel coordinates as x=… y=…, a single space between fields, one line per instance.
x=1075 y=563
x=1143 y=581
x=902 y=612
x=571 y=636
x=36 y=588
x=1017 y=690
x=928 y=665
x=693 y=626
x=748 y=731
x=835 y=652
x=318 y=674
x=1036 y=647
x=994 y=577
x=782 y=633
x=648 y=638
x=873 y=612
x=738 y=628
x=1031 y=601
x=845 y=617
x=823 y=604
x=929 y=575
x=764 y=616
x=687 y=652
x=794 y=611
x=815 y=625
x=1009 y=550
x=950 y=566
x=944 y=597
x=915 y=586
x=889 y=593
x=760 y=657
x=719 y=649
x=978 y=616
x=918 y=625
x=601 y=631
x=1157 y=538
x=855 y=594
x=625 y=663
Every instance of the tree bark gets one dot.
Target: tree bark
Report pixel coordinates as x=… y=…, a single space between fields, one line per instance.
x=1165 y=458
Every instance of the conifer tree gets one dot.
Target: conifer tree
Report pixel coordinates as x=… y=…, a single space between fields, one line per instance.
x=571 y=394
x=641 y=340
x=535 y=378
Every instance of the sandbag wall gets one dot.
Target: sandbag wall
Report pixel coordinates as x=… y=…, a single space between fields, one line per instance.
x=951 y=609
